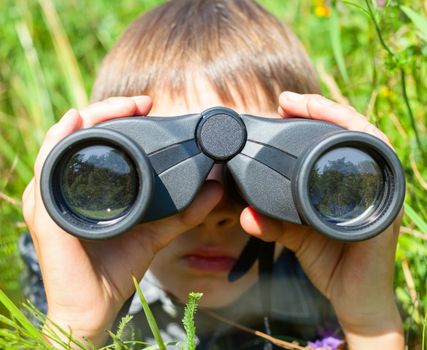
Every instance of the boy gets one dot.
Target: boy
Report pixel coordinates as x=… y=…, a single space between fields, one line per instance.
x=188 y=55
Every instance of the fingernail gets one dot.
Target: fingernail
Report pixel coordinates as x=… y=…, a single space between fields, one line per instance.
x=378 y=133
x=293 y=96
x=69 y=115
x=322 y=101
x=141 y=98
x=118 y=100
x=254 y=214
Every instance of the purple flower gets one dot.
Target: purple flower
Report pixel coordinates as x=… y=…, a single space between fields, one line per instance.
x=381 y=3
x=329 y=343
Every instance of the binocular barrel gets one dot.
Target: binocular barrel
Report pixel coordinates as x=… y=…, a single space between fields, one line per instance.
x=99 y=182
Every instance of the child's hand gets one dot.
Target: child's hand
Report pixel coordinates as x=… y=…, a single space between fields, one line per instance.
x=87 y=282
x=356 y=277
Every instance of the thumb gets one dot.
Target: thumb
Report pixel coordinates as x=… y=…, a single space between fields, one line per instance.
x=165 y=230
x=263 y=227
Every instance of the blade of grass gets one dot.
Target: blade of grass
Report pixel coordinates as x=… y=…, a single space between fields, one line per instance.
x=65 y=52
x=419 y=21
x=335 y=37
x=150 y=318
x=20 y=317
x=41 y=109
x=357 y=6
x=50 y=326
x=413 y=215
x=424 y=332
x=7 y=150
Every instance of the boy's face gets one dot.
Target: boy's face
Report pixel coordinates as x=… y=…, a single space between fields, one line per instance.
x=199 y=260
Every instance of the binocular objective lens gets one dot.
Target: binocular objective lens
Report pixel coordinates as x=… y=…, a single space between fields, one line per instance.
x=345 y=186
x=99 y=182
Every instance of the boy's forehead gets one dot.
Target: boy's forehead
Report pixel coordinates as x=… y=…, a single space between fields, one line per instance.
x=200 y=95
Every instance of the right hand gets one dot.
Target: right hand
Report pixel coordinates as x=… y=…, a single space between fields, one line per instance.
x=87 y=282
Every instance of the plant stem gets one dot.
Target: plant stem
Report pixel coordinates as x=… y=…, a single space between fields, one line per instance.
x=410 y=113
x=377 y=28
x=402 y=79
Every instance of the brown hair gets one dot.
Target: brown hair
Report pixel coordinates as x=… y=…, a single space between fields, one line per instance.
x=242 y=50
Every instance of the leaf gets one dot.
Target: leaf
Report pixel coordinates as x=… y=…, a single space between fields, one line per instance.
x=413 y=215
x=419 y=21
x=358 y=7
x=150 y=318
x=64 y=50
x=20 y=317
x=335 y=36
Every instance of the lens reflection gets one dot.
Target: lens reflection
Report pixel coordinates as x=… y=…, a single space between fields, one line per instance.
x=99 y=182
x=345 y=186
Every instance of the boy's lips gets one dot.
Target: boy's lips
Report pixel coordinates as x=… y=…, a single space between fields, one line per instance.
x=212 y=259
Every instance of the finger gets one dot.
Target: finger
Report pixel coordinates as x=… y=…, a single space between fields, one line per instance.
x=70 y=122
x=165 y=230
x=318 y=107
x=28 y=190
x=289 y=235
x=29 y=209
x=115 y=107
x=28 y=200
x=283 y=113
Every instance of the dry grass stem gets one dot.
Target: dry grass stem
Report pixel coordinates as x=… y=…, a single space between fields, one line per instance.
x=398 y=125
x=371 y=104
x=417 y=173
x=332 y=85
x=414 y=233
x=411 y=287
x=280 y=343
x=10 y=200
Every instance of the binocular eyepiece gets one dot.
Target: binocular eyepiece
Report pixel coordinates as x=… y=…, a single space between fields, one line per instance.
x=99 y=182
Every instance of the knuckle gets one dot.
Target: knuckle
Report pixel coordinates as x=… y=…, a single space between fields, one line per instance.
x=367 y=128
x=27 y=210
x=38 y=165
x=315 y=96
x=312 y=104
x=370 y=129
x=27 y=190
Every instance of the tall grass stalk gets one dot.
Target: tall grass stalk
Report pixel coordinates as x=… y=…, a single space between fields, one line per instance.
x=21 y=333
x=397 y=61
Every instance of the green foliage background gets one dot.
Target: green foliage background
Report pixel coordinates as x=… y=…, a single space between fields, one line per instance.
x=371 y=54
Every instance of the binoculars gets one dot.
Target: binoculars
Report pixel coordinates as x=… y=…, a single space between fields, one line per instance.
x=99 y=182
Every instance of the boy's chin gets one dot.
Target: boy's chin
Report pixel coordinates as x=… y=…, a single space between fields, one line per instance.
x=216 y=302
x=219 y=292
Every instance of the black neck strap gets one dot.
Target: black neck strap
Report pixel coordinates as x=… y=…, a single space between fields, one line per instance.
x=257 y=249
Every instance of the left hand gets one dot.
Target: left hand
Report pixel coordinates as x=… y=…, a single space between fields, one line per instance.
x=356 y=277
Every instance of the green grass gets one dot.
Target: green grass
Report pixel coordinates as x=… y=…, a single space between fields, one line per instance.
x=21 y=332
x=373 y=57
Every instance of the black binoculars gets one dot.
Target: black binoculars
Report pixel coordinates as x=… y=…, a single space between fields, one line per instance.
x=99 y=182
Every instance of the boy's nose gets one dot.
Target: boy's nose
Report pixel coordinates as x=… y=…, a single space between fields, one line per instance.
x=222 y=217
x=225 y=215
x=217 y=173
